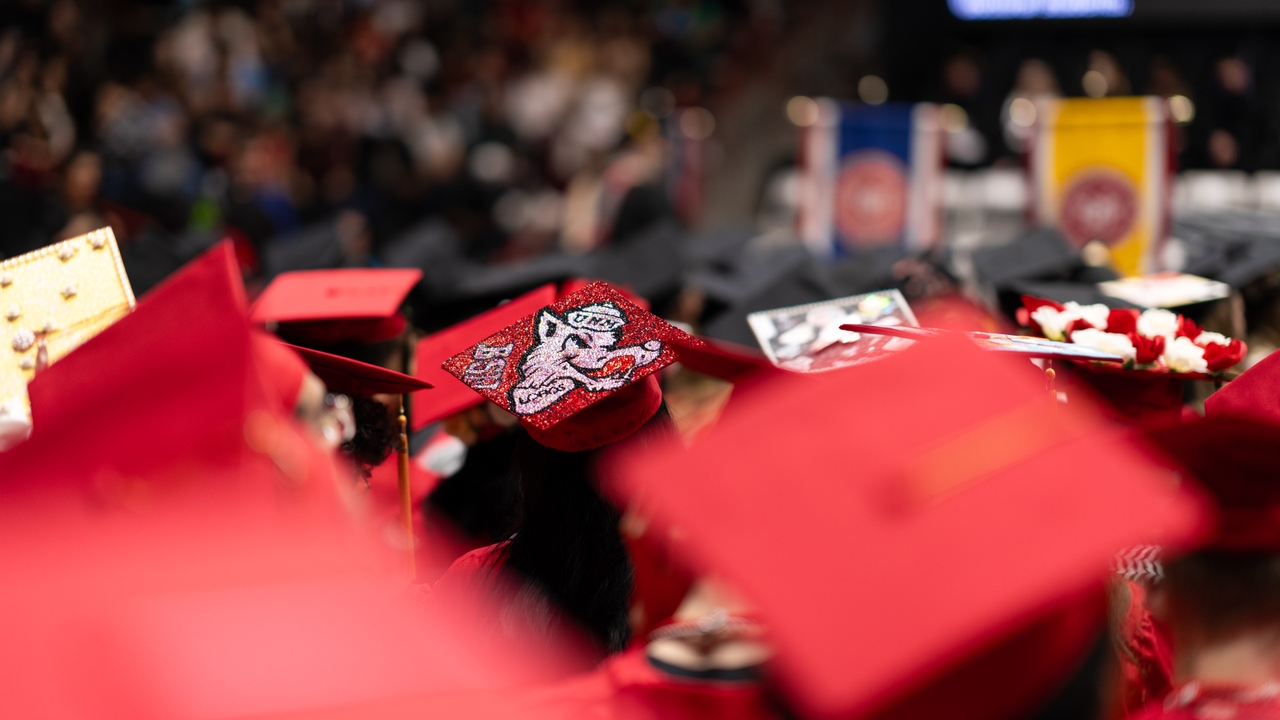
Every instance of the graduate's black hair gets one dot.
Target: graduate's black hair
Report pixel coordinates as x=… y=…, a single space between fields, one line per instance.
x=567 y=545
x=483 y=498
x=377 y=433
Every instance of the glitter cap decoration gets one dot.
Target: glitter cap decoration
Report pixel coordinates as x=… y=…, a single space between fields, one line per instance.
x=451 y=396
x=549 y=366
x=54 y=299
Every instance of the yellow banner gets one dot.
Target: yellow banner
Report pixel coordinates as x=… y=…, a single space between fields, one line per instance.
x=1101 y=172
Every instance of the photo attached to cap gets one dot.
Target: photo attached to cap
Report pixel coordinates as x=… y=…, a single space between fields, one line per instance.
x=808 y=338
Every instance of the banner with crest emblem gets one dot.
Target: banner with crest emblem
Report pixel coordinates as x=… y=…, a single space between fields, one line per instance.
x=1101 y=171
x=870 y=176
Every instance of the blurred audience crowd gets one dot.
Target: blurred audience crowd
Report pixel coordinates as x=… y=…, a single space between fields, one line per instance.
x=523 y=125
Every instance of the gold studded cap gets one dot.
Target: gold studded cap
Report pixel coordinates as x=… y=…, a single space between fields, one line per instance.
x=51 y=301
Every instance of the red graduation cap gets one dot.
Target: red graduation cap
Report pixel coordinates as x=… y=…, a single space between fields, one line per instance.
x=579 y=373
x=725 y=360
x=1255 y=393
x=334 y=306
x=281 y=368
x=355 y=378
x=1236 y=459
x=890 y=522
x=148 y=366
x=228 y=579
x=450 y=396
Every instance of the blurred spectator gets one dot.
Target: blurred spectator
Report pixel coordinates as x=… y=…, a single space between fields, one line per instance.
x=966 y=143
x=1035 y=81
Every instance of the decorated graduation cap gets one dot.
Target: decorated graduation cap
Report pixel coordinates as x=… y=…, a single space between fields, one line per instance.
x=450 y=395
x=352 y=377
x=579 y=373
x=1235 y=458
x=329 y=307
x=53 y=300
x=899 y=524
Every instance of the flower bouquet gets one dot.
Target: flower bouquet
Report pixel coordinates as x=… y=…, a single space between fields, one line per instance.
x=1154 y=341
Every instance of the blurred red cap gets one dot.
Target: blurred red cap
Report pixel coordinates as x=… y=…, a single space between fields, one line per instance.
x=176 y=548
x=897 y=519
x=1236 y=459
x=557 y=362
x=281 y=368
x=333 y=306
x=450 y=396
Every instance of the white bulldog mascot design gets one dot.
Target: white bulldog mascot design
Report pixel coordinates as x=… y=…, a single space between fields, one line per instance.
x=577 y=349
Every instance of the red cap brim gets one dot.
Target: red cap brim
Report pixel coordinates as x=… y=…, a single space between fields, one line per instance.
x=358 y=379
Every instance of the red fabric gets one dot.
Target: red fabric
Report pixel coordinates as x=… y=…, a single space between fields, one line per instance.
x=282 y=371
x=308 y=295
x=1255 y=393
x=725 y=360
x=660 y=583
x=1192 y=702
x=1148 y=400
x=1235 y=459
x=450 y=396
x=355 y=378
x=615 y=417
x=628 y=687
x=176 y=548
x=142 y=387
x=1146 y=655
x=900 y=471
x=1013 y=675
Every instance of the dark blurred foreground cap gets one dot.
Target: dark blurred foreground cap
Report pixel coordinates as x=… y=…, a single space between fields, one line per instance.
x=892 y=523
x=1237 y=459
x=577 y=373
x=450 y=396
x=334 y=306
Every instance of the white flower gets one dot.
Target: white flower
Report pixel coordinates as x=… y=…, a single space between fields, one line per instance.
x=1184 y=356
x=1113 y=343
x=1158 y=323
x=1206 y=337
x=1051 y=322
x=1095 y=314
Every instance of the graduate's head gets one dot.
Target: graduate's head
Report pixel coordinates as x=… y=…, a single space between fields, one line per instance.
x=1232 y=586
x=342 y=401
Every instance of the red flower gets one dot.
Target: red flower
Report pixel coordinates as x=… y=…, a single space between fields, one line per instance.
x=1122 y=321
x=1074 y=325
x=1220 y=357
x=1149 y=349
x=1030 y=304
x=1188 y=328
